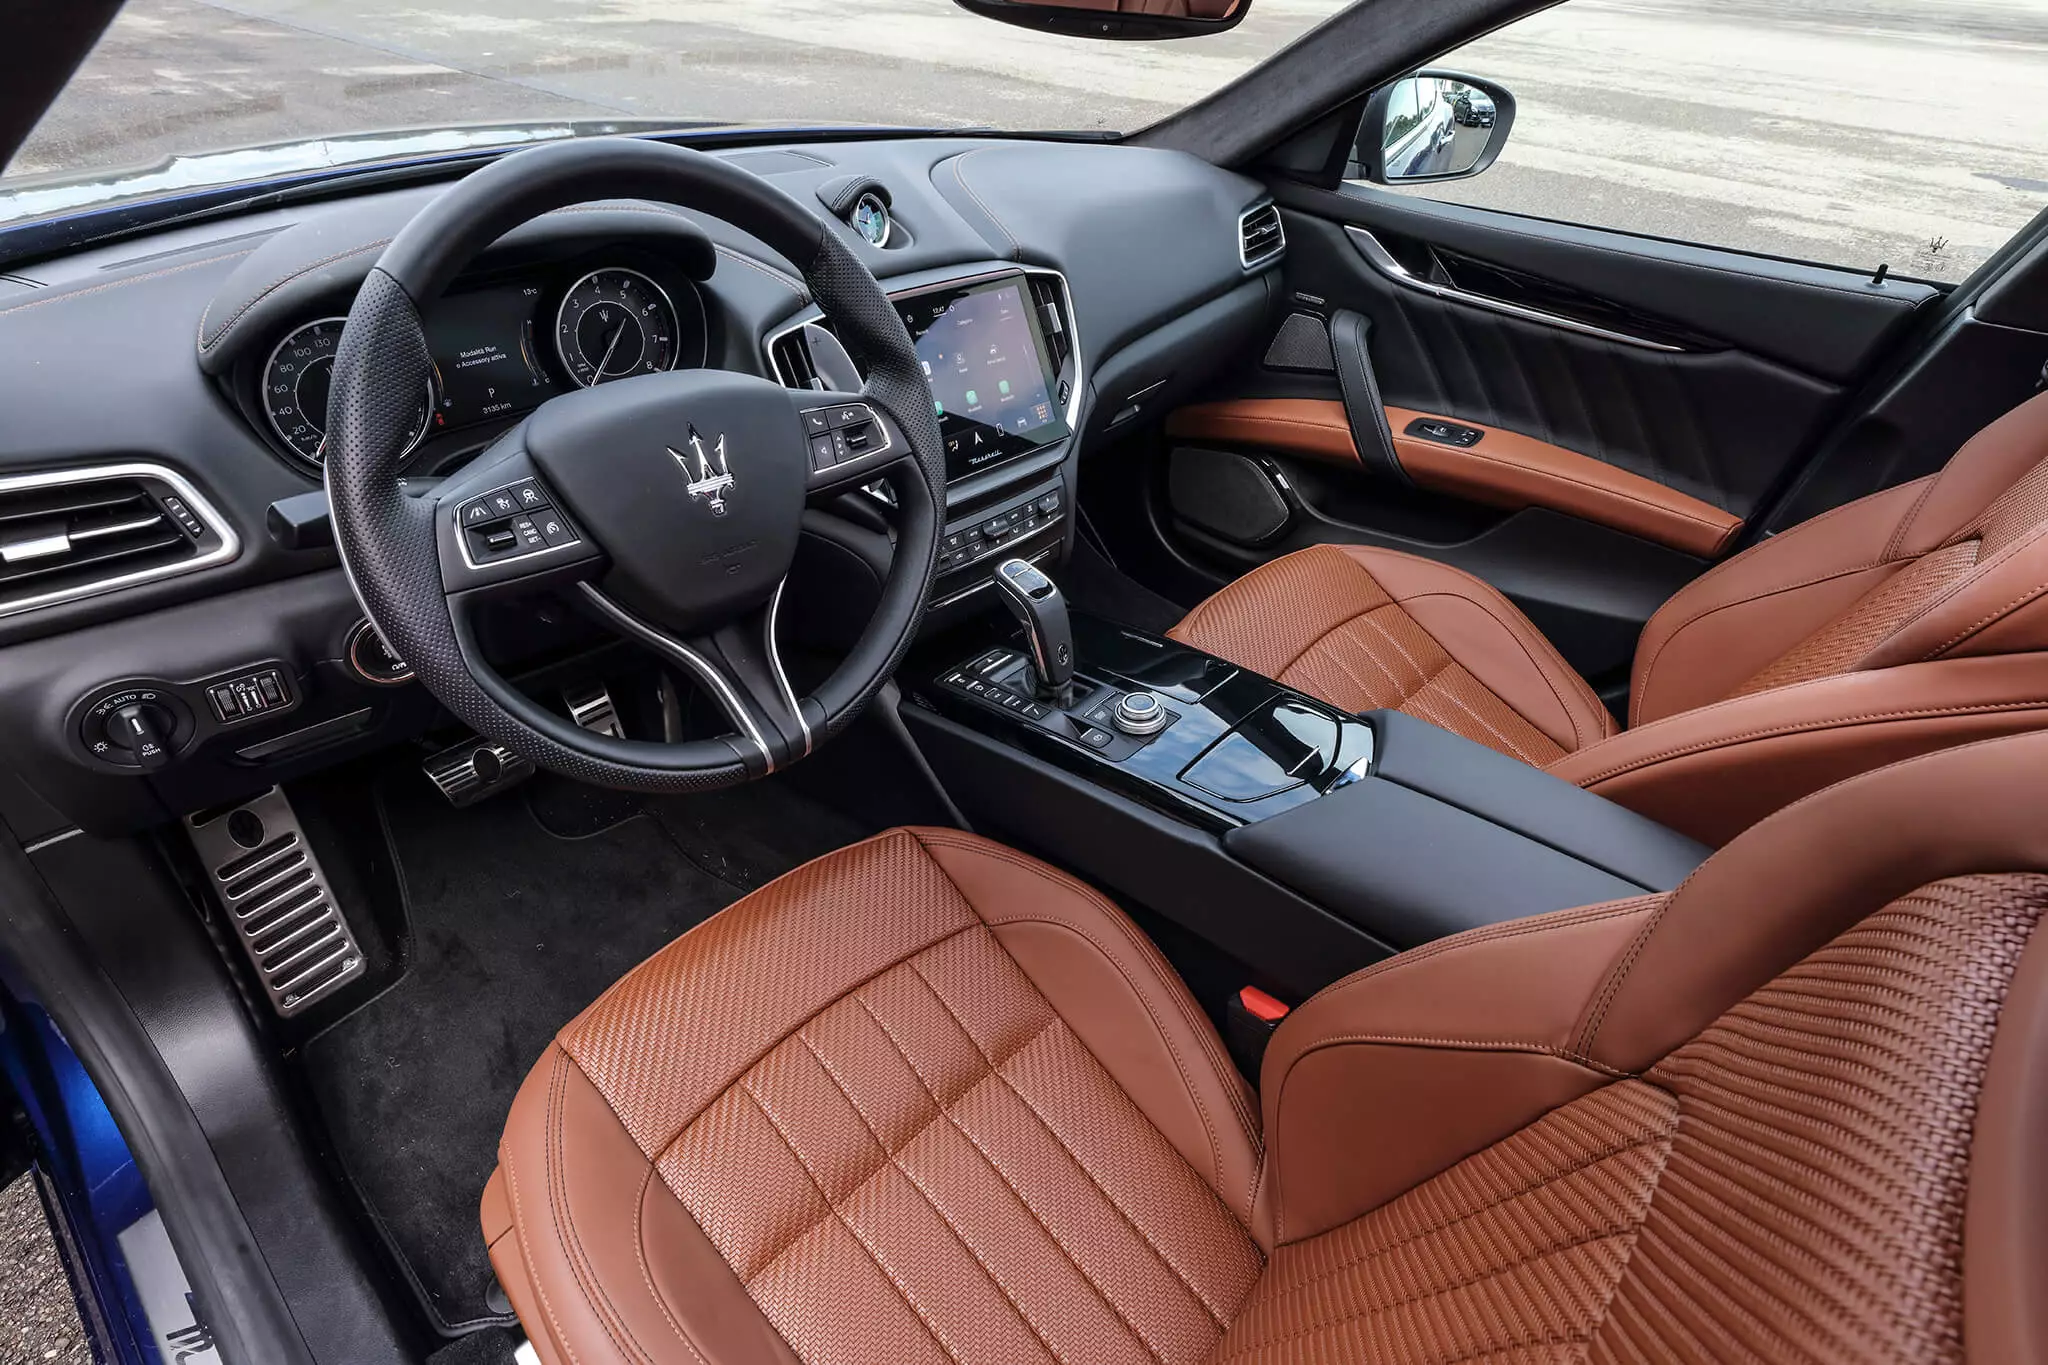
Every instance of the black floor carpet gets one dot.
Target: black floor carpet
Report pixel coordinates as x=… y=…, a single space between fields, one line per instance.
x=520 y=912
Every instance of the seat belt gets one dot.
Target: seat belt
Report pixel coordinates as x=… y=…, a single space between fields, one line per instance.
x=1350 y=335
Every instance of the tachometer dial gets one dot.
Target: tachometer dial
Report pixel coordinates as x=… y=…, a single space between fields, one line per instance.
x=614 y=323
x=295 y=385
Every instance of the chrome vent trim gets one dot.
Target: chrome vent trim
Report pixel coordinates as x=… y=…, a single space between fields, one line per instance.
x=1260 y=236
x=278 y=901
x=67 y=534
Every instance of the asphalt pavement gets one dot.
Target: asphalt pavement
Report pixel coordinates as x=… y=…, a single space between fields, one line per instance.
x=38 y=1317
x=1909 y=132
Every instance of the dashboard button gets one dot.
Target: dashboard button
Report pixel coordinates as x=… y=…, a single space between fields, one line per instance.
x=1096 y=739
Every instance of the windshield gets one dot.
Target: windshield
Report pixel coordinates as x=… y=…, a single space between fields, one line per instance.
x=173 y=80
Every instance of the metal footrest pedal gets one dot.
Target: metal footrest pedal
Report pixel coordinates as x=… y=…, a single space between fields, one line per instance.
x=278 y=900
x=591 y=708
x=474 y=769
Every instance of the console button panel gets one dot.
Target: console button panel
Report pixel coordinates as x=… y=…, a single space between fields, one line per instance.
x=988 y=533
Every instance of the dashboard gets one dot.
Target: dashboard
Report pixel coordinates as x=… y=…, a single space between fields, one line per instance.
x=1058 y=294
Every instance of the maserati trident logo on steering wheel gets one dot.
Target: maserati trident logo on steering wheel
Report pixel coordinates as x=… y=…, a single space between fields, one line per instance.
x=711 y=476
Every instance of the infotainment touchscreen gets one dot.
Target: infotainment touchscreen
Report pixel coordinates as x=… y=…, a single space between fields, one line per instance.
x=990 y=373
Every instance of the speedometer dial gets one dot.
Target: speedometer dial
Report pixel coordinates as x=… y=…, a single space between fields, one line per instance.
x=614 y=323
x=295 y=385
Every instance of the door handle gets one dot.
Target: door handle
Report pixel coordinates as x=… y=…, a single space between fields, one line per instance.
x=1350 y=345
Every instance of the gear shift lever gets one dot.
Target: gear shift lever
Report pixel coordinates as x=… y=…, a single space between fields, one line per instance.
x=1036 y=602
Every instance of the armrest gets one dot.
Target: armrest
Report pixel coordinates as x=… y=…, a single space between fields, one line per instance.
x=1447 y=835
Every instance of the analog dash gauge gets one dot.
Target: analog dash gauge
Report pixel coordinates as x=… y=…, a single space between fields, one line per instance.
x=614 y=323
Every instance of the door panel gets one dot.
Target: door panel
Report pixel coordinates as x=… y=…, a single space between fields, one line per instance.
x=1632 y=403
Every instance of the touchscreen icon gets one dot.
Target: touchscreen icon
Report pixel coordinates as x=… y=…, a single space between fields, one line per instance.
x=1003 y=386
x=972 y=398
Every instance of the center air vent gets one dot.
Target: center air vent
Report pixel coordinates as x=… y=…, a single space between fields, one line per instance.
x=1260 y=237
x=75 y=532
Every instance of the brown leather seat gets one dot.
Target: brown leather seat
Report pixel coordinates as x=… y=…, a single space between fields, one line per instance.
x=926 y=1099
x=1911 y=620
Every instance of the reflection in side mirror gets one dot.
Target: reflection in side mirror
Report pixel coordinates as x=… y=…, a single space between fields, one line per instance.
x=1434 y=125
x=1115 y=19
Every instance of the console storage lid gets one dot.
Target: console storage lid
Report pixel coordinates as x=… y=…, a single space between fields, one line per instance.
x=1448 y=835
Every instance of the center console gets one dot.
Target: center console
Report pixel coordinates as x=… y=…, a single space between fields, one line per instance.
x=1301 y=839
x=998 y=347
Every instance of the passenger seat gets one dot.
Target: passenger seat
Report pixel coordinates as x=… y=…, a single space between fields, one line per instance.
x=1908 y=621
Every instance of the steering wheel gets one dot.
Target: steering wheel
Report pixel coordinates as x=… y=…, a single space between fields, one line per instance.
x=671 y=504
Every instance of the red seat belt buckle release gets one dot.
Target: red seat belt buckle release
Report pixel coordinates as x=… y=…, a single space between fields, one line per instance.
x=1250 y=1019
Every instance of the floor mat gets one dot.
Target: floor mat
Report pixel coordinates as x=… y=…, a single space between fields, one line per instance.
x=513 y=929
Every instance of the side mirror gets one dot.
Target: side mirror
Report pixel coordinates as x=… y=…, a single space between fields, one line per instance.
x=1433 y=125
x=1112 y=19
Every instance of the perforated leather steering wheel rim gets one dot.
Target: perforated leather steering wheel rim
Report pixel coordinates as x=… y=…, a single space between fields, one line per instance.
x=392 y=544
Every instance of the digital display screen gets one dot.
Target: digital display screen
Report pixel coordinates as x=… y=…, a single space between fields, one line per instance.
x=990 y=374
x=485 y=364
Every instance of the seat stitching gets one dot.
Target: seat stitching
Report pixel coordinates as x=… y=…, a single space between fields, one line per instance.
x=1897 y=543
x=647 y=1274
x=519 y=1224
x=1516 y=749
x=1515 y=633
x=1148 y=953
x=1011 y=1185
x=1080 y=1165
x=1522 y=1189
x=1494 y=933
x=1380 y=1310
x=1800 y=727
x=1467 y=1045
x=1428 y=678
x=1649 y=665
x=571 y=1241
x=2029 y=595
x=851 y=1231
x=947 y=1218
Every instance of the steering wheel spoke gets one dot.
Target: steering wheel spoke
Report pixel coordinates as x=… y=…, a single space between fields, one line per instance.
x=849 y=438
x=740 y=664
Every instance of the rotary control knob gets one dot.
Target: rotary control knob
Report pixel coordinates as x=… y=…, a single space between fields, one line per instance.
x=1139 y=713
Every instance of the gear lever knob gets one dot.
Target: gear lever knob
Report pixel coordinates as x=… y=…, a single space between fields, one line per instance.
x=1036 y=602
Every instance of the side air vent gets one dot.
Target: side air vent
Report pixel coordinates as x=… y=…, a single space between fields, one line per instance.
x=1260 y=237
x=76 y=532
x=792 y=361
x=1052 y=319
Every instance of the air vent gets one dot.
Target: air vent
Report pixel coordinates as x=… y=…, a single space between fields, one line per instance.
x=792 y=360
x=1047 y=294
x=76 y=532
x=1260 y=237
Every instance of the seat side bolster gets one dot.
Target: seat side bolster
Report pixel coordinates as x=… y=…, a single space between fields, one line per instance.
x=1114 y=990
x=1402 y=1070
x=2005 y=1226
x=1714 y=771
x=599 y=1252
x=1725 y=625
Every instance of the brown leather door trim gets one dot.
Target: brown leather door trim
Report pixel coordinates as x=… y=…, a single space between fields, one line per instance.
x=1503 y=469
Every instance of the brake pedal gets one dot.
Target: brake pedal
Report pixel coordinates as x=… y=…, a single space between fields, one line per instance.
x=591 y=708
x=281 y=905
x=475 y=769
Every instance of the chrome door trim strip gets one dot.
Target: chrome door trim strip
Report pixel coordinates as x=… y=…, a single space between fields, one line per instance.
x=1380 y=259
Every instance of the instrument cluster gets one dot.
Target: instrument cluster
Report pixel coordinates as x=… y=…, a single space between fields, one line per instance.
x=501 y=345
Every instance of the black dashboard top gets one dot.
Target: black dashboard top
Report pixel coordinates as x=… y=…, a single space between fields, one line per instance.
x=154 y=349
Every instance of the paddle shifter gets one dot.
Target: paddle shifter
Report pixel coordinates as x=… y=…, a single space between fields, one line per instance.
x=1036 y=602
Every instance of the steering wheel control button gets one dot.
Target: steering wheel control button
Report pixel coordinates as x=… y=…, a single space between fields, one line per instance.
x=1140 y=714
x=507 y=523
x=503 y=503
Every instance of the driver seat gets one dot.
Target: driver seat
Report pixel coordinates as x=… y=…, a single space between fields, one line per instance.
x=927 y=1099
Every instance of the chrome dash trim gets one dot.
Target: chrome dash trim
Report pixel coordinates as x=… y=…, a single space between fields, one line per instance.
x=735 y=711
x=229 y=547
x=1380 y=259
x=775 y=666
